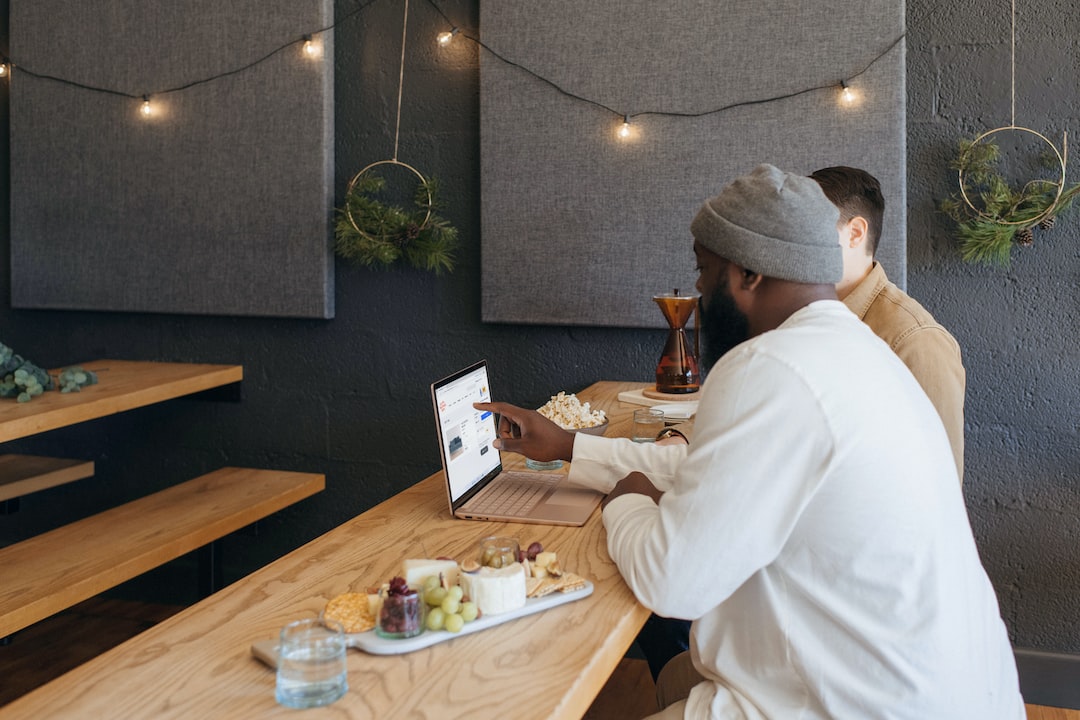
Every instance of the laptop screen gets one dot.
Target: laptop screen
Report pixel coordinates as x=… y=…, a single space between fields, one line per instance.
x=466 y=434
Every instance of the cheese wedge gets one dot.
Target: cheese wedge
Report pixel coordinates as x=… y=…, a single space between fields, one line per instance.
x=417 y=570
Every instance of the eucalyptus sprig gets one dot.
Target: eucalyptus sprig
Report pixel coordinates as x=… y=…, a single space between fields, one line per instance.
x=1008 y=216
x=373 y=234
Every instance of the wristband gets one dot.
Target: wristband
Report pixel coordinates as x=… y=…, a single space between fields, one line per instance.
x=668 y=432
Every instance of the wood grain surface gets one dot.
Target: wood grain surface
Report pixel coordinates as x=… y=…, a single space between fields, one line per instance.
x=199 y=664
x=122 y=385
x=52 y=571
x=24 y=474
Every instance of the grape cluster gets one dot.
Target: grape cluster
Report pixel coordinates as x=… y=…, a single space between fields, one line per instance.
x=75 y=378
x=447 y=607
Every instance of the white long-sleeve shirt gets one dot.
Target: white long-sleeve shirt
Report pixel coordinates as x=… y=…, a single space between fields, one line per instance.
x=815 y=532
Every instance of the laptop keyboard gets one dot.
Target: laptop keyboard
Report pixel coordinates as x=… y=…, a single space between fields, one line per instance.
x=516 y=497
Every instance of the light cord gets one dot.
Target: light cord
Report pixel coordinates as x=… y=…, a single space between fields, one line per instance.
x=1012 y=86
x=401 y=78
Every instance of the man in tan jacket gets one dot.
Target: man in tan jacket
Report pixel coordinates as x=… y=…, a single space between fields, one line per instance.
x=927 y=348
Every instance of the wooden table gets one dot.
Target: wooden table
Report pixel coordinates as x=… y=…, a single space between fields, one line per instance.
x=122 y=385
x=198 y=663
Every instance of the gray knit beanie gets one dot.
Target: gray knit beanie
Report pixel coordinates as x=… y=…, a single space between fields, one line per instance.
x=775 y=223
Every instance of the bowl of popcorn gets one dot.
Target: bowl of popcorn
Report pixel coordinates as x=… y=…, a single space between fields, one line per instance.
x=569 y=413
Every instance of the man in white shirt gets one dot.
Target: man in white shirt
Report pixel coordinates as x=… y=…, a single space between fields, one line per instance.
x=827 y=562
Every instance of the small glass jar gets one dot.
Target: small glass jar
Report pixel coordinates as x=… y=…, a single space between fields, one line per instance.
x=498 y=552
x=401 y=616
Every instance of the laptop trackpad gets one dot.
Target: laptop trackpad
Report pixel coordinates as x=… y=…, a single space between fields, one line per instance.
x=573 y=497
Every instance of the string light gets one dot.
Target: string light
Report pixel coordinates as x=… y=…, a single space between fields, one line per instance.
x=626 y=131
x=312 y=48
x=445 y=38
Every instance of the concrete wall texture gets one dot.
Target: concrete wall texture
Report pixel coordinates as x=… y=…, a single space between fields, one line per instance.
x=348 y=397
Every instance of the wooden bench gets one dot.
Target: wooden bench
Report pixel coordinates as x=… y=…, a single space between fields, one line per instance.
x=45 y=574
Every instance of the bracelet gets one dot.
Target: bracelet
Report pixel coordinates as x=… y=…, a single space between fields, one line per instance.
x=668 y=432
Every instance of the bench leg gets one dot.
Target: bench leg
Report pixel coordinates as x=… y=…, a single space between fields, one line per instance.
x=211 y=578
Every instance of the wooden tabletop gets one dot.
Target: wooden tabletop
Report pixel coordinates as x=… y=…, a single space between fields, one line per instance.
x=122 y=385
x=198 y=663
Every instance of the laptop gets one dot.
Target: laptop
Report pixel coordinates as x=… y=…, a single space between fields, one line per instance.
x=477 y=487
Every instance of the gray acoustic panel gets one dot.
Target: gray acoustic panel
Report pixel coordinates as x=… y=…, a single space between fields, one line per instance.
x=218 y=203
x=581 y=227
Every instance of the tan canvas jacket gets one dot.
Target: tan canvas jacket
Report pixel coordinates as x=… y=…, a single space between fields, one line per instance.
x=929 y=351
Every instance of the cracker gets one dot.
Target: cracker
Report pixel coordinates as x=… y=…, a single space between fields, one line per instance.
x=351 y=610
x=569 y=582
x=539 y=587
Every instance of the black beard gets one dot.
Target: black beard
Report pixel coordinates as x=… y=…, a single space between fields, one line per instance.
x=723 y=326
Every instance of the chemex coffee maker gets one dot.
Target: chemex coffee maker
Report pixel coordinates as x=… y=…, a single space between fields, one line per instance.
x=677 y=373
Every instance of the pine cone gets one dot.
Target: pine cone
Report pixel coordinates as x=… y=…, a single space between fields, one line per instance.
x=406 y=236
x=1047 y=223
x=1024 y=237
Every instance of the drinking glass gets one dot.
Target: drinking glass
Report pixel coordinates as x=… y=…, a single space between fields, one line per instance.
x=311 y=664
x=647 y=423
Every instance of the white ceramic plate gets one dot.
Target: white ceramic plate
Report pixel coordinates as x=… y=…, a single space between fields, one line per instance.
x=370 y=642
x=678 y=411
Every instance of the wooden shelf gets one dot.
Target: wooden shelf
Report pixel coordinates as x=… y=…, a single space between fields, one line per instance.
x=24 y=474
x=122 y=385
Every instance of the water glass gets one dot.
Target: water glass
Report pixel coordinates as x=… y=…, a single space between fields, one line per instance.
x=311 y=664
x=648 y=422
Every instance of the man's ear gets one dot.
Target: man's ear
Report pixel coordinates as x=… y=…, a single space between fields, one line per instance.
x=858 y=228
x=749 y=280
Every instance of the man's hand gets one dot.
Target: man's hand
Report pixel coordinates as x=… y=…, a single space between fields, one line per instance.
x=529 y=433
x=636 y=483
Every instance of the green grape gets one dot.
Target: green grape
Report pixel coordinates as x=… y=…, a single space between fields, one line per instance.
x=435 y=619
x=435 y=597
x=431 y=582
x=454 y=623
x=450 y=605
x=455 y=592
x=469 y=611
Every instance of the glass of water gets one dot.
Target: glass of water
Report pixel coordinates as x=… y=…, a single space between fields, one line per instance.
x=648 y=422
x=311 y=664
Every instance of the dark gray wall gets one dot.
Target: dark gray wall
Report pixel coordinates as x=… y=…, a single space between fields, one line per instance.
x=348 y=397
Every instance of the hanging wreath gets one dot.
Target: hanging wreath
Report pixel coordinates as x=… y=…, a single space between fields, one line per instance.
x=373 y=234
x=1004 y=217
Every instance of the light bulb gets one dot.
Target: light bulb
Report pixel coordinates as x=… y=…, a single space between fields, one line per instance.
x=445 y=37
x=145 y=108
x=624 y=129
x=312 y=48
x=3 y=69
x=847 y=95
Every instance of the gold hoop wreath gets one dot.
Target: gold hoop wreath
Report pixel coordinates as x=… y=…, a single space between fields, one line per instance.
x=360 y=175
x=372 y=234
x=420 y=238
x=1061 y=159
